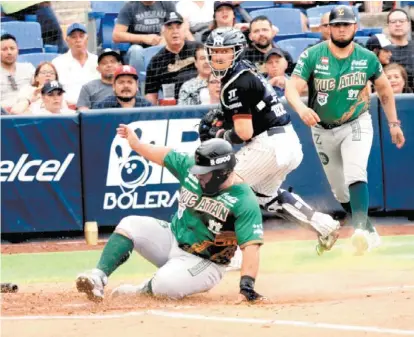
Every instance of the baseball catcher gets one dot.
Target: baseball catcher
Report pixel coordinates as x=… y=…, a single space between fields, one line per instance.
x=253 y=116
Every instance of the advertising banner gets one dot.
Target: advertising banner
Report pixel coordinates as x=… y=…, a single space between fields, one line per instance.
x=40 y=174
x=117 y=181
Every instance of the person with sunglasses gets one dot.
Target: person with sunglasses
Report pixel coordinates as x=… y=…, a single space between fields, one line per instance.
x=338 y=73
x=13 y=75
x=52 y=100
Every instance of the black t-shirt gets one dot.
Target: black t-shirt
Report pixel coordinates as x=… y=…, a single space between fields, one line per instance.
x=246 y=92
x=256 y=57
x=404 y=55
x=143 y=19
x=166 y=68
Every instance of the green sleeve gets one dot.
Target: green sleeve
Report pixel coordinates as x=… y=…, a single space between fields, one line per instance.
x=178 y=164
x=375 y=68
x=304 y=67
x=249 y=224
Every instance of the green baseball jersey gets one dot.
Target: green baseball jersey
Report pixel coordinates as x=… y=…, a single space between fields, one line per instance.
x=338 y=90
x=212 y=227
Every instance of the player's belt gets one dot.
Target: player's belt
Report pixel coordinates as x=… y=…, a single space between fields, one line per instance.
x=276 y=130
x=328 y=126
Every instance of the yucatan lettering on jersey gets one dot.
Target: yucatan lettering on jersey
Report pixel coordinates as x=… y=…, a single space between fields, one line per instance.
x=332 y=80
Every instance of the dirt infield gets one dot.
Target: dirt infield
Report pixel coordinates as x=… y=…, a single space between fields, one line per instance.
x=347 y=303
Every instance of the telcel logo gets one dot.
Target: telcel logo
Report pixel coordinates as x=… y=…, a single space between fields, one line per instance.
x=39 y=170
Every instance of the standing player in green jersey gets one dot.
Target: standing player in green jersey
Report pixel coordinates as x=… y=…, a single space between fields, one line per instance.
x=217 y=212
x=337 y=73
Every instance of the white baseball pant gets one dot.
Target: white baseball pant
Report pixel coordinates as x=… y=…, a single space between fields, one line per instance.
x=180 y=274
x=344 y=152
x=265 y=162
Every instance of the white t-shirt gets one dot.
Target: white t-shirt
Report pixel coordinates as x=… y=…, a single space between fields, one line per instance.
x=42 y=111
x=22 y=77
x=73 y=76
x=195 y=14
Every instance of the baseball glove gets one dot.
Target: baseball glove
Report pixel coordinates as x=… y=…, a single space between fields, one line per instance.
x=210 y=124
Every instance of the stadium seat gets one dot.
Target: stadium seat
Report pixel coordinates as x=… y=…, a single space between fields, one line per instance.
x=296 y=46
x=37 y=58
x=361 y=39
x=255 y=5
x=107 y=28
x=28 y=35
x=288 y=21
x=100 y=8
x=148 y=53
x=314 y=14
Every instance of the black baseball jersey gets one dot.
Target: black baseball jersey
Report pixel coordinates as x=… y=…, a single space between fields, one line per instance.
x=245 y=93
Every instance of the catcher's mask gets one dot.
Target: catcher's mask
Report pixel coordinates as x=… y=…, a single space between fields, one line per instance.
x=214 y=162
x=224 y=47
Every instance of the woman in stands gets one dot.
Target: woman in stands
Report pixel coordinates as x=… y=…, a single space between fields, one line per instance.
x=397 y=75
x=30 y=98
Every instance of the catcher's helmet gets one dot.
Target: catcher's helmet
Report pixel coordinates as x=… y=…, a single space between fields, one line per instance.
x=221 y=38
x=217 y=156
x=342 y=14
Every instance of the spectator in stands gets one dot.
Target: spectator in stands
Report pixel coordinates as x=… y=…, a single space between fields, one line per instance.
x=140 y=23
x=380 y=46
x=198 y=14
x=97 y=90
x=403 y=50
x=13 y=75
x=224 y=16
x=173 y=64
x=214 y=90
x=194 y=91
x=126 y=91
x=276 y=66
x=30 y=97
x=324 y=27
x=261 y=35
x=51 y=31
x=52 y=100
x=397 y=76
x=76 y=67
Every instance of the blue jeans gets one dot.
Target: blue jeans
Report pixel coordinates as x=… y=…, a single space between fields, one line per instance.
x=135 y=57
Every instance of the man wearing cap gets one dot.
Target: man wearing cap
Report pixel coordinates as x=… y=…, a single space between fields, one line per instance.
x=97 y=90
x=52 y=99
x=76 y=67
x=338 y=73
x=380 y=46
x=172 y=65
x=125 y=88
x=140 y=23
x=275 y=66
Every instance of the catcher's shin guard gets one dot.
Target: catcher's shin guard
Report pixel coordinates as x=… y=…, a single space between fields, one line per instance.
x=291 y=207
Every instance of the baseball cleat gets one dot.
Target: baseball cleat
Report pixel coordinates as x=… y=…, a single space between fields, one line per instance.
x=92 y=284
x=326 y=243
x=360 y=241
x=374 y=240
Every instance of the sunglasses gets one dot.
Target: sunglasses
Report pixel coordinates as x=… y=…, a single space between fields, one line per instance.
x=12 y=82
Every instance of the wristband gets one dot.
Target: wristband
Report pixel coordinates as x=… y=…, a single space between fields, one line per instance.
x=246 y=282
x=394 y=124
